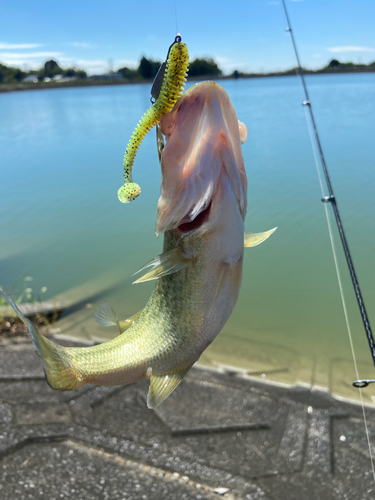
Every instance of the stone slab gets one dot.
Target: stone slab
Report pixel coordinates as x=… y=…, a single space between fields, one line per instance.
x=218 y=435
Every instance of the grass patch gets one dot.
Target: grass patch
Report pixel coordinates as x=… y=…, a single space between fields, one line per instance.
x=11 y=325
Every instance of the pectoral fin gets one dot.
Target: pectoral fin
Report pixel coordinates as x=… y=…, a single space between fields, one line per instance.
x=232 y=274
x=162 y=265
x=254 y=239
x=162 y=385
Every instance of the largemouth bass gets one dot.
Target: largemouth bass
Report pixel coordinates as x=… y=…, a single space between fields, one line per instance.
x=201 y=212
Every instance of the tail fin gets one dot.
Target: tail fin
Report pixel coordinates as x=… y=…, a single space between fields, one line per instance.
x=59 y=366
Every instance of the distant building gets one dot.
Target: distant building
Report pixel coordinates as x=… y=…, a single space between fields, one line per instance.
x=107 y=76
x=30 y=79
x=61 y=78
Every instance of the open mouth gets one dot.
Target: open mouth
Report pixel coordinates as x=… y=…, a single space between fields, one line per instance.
x=185 y=227
x=202 y=141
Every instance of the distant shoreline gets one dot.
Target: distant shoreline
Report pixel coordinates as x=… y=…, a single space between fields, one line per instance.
x=4 y=88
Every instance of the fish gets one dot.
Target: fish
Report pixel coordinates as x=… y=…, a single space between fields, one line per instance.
x=201 y=212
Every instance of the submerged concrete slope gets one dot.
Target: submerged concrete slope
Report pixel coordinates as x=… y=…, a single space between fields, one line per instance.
x=218 y=434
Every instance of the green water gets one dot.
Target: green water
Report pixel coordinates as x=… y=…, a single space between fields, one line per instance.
x=61 y=223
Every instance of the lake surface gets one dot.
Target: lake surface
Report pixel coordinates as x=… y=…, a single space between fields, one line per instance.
x=61 y=157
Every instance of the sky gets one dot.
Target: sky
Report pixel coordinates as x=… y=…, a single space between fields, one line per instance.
x=247 y=35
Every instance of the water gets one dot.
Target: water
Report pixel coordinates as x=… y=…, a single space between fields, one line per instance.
x=61 y=222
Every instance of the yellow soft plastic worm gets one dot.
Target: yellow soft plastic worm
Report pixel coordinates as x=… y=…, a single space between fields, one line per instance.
x=171 y=90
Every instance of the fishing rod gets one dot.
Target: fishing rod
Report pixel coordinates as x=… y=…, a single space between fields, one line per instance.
x=332 y=200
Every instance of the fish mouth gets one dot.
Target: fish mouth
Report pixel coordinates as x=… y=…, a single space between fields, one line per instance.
x=203 y=141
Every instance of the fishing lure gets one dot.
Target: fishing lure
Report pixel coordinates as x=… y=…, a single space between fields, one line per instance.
x=167 y=89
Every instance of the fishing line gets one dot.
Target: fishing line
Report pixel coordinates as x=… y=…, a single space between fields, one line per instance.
x=330 y=230
x=332 y=200
x=313 y=132
x=175 y=15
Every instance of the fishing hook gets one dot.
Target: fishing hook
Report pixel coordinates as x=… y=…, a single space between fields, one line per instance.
x=158 y=80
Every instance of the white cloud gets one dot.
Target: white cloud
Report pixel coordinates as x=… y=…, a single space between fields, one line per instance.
x=350 y=48
x=33 y=60
x=67 y=60
x=99 y=66
x=93 y=66
x=129 y=63
x=82 y=45
x=229 y=65
x=28 y=55
x=11 y=46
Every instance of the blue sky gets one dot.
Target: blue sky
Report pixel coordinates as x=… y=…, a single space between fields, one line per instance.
x=248 y=35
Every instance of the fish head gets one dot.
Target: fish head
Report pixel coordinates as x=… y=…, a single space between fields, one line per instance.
x=201 y=159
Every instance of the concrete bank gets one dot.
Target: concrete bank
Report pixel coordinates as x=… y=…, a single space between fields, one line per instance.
x=219 y=435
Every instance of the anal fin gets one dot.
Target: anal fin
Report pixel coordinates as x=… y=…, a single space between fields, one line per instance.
x=163 y=384
x=254 y=239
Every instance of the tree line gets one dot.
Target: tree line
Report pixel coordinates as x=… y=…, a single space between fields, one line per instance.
x=146 y=70
x=8 y=74
x=334 y=66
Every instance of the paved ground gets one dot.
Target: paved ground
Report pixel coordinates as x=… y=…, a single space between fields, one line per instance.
x=219 y=435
